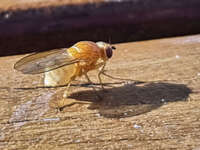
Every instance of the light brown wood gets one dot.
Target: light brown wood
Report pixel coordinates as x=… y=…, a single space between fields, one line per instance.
x=27 y=4
x=160 y=112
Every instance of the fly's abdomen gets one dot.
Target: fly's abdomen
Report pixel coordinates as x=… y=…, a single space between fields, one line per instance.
x=60 y=76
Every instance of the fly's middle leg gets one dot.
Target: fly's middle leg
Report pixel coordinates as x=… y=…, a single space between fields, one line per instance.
x=102 y=69
x=89 y=81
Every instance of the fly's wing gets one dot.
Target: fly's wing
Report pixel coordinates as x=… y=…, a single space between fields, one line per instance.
x=45 y=61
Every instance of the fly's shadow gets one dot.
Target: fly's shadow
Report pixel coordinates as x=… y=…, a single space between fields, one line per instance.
x=133 y=99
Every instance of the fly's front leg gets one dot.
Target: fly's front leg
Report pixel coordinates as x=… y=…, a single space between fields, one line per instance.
x=99 y=97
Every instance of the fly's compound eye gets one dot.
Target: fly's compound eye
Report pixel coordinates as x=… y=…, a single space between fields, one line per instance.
x=109 y=52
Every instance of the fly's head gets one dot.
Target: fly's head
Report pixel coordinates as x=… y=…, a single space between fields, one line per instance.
x=107 y=49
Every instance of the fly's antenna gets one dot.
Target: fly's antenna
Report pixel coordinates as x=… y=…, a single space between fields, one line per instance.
x=109 y=40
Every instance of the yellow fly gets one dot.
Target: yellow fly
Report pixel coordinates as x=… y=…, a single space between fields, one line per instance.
x=61 y=66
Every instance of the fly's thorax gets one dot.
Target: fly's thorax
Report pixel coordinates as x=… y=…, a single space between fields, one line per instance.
x=85 y=50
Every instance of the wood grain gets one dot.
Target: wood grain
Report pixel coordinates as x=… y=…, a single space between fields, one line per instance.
x=157 y=108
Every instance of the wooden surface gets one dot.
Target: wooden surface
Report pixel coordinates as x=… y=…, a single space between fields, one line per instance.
x=160 y=112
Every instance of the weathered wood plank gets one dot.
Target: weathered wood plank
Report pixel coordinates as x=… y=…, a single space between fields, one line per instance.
x=160 y=113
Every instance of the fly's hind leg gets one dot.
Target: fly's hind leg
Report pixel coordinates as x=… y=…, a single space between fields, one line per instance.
x=61 y=100
x=99 y=97
x=66 y=92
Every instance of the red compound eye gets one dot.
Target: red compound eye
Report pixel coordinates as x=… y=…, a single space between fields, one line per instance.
x=109 y=52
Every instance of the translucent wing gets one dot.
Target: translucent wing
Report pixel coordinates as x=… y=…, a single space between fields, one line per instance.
x=44 y=61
